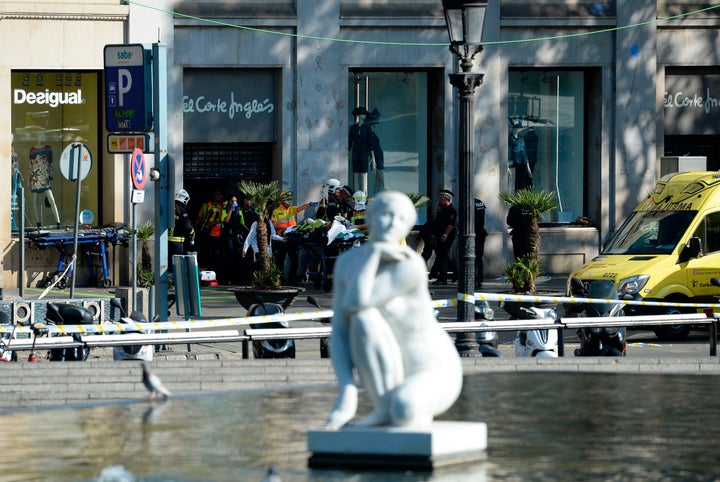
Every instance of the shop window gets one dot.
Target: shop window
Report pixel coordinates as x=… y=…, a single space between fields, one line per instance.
x=387 y=138
x=546 y=140
x=51 y=110
x=557 y=9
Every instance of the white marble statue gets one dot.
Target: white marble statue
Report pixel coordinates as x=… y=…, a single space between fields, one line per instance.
x=385 y=329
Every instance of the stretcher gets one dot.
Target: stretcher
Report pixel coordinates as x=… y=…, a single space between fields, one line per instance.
x=95 y=241
x=319 y=259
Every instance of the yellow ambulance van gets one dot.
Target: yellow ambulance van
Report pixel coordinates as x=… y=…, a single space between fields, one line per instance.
x=666 y=250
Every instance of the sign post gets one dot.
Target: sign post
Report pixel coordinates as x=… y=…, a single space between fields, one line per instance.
x=75 y=164
x=138 y=176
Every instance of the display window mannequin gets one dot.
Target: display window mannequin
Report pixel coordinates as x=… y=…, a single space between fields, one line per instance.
x=377 y=163
x=16 y=182
x=518 y=158
x=365 y=151
x=359 y=148
x=41 y=176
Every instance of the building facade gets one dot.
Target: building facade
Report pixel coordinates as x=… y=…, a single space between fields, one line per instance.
x=598 y=92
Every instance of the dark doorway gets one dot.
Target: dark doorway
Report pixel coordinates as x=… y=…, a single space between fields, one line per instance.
x=220 y=166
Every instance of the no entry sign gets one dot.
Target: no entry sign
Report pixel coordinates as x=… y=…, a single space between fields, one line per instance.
x=138 y=169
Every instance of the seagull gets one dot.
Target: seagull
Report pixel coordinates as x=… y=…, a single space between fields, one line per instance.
x=153 y=384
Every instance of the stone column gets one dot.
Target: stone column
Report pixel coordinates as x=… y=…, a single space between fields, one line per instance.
x=321 y=95
x=636 y=164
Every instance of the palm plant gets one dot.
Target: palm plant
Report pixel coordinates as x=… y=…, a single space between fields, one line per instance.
x=145 y=269
x=527 y=206
x=419 y=200
x=521 y=274
x=264 y=196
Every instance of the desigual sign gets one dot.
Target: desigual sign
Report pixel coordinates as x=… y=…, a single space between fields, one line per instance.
x=47 y=97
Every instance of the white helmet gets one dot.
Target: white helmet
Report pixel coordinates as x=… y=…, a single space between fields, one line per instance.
x=359 y=200
x=332 y=184
x=182 y=196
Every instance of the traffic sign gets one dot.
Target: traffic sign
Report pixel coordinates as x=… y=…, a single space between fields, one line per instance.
x=138 y=169
x=75 y=160
x=128 y=88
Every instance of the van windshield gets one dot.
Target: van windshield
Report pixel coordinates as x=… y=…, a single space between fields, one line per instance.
x=650 y=232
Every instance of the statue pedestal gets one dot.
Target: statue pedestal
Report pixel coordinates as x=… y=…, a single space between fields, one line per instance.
x=403 y=448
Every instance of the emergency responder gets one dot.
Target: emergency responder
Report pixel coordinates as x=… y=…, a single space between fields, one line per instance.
x=358 y=217
x=209 y=227
x=344 y=207
x=182 y=235
x=328 y=199
x=284 y=217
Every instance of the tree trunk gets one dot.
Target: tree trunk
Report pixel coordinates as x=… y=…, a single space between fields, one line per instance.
x=263 y=248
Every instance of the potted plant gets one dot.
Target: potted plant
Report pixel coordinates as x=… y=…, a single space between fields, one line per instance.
x=266 y=277
x=527 y=206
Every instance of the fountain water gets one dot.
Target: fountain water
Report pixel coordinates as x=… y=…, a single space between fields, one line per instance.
x=541 y=426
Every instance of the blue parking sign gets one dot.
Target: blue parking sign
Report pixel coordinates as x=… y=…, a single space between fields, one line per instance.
x=128 y=88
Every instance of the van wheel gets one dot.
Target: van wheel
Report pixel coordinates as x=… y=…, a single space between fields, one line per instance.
x=674 y=332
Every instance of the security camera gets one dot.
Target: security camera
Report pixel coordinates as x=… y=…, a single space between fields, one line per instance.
x=154 y=174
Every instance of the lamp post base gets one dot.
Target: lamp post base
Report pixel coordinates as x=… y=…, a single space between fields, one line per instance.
x=466 y=345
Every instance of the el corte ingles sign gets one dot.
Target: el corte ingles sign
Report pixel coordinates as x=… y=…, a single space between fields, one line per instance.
x=229 y=105
x=692 y=104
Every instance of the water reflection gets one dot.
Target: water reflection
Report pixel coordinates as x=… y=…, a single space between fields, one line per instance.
x=542 y=426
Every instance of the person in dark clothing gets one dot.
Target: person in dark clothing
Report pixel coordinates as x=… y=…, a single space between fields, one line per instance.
x=480 y=235
x=182 y=236
x=233 y=239
x=438 y=235
x=344 y=207
x=519 y=222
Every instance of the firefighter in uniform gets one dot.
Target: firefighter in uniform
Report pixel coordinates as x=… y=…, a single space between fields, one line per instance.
x=182 y=235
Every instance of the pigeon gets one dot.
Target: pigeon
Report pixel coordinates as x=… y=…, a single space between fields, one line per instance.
x=153 y=384
x=272 y=475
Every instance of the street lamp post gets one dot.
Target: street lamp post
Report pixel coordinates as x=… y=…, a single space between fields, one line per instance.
x=465 y=19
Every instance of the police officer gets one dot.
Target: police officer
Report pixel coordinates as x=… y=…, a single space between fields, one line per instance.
x=182 y=235
x=438 y=235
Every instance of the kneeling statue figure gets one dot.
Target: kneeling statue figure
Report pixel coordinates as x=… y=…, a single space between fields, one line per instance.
x=384 y=327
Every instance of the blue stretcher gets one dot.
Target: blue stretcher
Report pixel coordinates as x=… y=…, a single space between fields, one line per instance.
x=94 y=240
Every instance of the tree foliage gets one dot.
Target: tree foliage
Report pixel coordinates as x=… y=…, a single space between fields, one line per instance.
x=264 y=195
x=527 y=206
